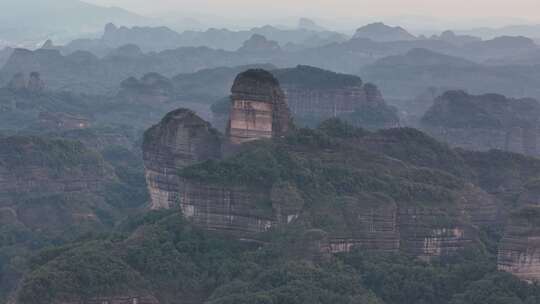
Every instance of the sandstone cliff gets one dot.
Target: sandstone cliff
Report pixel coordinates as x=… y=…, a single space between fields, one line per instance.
x=152 y=88
x=423 y=212
x=179 y=140
x=315 y=95
x=258 y=108
x=393 y=190
x=485 y=122
x=519 y=251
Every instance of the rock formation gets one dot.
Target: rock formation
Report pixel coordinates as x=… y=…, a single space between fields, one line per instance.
x=459 y=40
x=519 y=251
x=183 y=139
x=259 y=109
x=485 y=122
x=436 y=220
x=314 y=95
x=432 y=232
x=371 y=224
x=179 y=140
x=382 y=32
x=152 y=88
x=259 y=44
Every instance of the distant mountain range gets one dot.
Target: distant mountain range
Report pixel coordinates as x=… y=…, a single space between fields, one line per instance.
x=34 y=19
x=162 y=38
x=382 y=33
x=527 y=30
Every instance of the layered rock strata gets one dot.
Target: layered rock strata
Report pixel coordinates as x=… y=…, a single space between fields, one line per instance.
x=221 y=208
x=314 y=95
x=180 y=140
x=519 y=251
x=259 y=109
x=374 y=226
x=485 y=122
x=360 y=218
x=432 y=232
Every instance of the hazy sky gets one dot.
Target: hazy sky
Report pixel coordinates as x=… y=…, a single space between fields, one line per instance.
x=526 y=9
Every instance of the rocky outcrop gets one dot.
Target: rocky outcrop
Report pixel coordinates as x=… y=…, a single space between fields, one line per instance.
x=259 y=44
x=433 y=232
x=179 y=140
x=259 y=109
x=314 y=95
x=371 y=223
x=519 y=251
x=482 y=209
x=152 y=88
x=485 y=122
x=225 y=208
x=383 y=33
x=183 y=139
x=442 y=218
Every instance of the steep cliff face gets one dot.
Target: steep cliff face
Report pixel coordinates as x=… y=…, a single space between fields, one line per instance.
x=179 y=140
x=315 y=95
x=183 y=139
x=238 y=210
x=151 y=89
x=371 y=223
x=485 y=122
x=420 y=211
x=433 y=232
x=519 y=252
x=259 y=109
x=391 y=190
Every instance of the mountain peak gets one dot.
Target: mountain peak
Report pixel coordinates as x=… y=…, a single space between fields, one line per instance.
x=381 y=32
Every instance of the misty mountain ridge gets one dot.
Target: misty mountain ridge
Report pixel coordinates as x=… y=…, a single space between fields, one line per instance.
x=162 y=38
x=35 y=19
x=383 y=33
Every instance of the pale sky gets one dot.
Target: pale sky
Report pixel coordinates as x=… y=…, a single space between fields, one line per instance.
x=526 y=9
